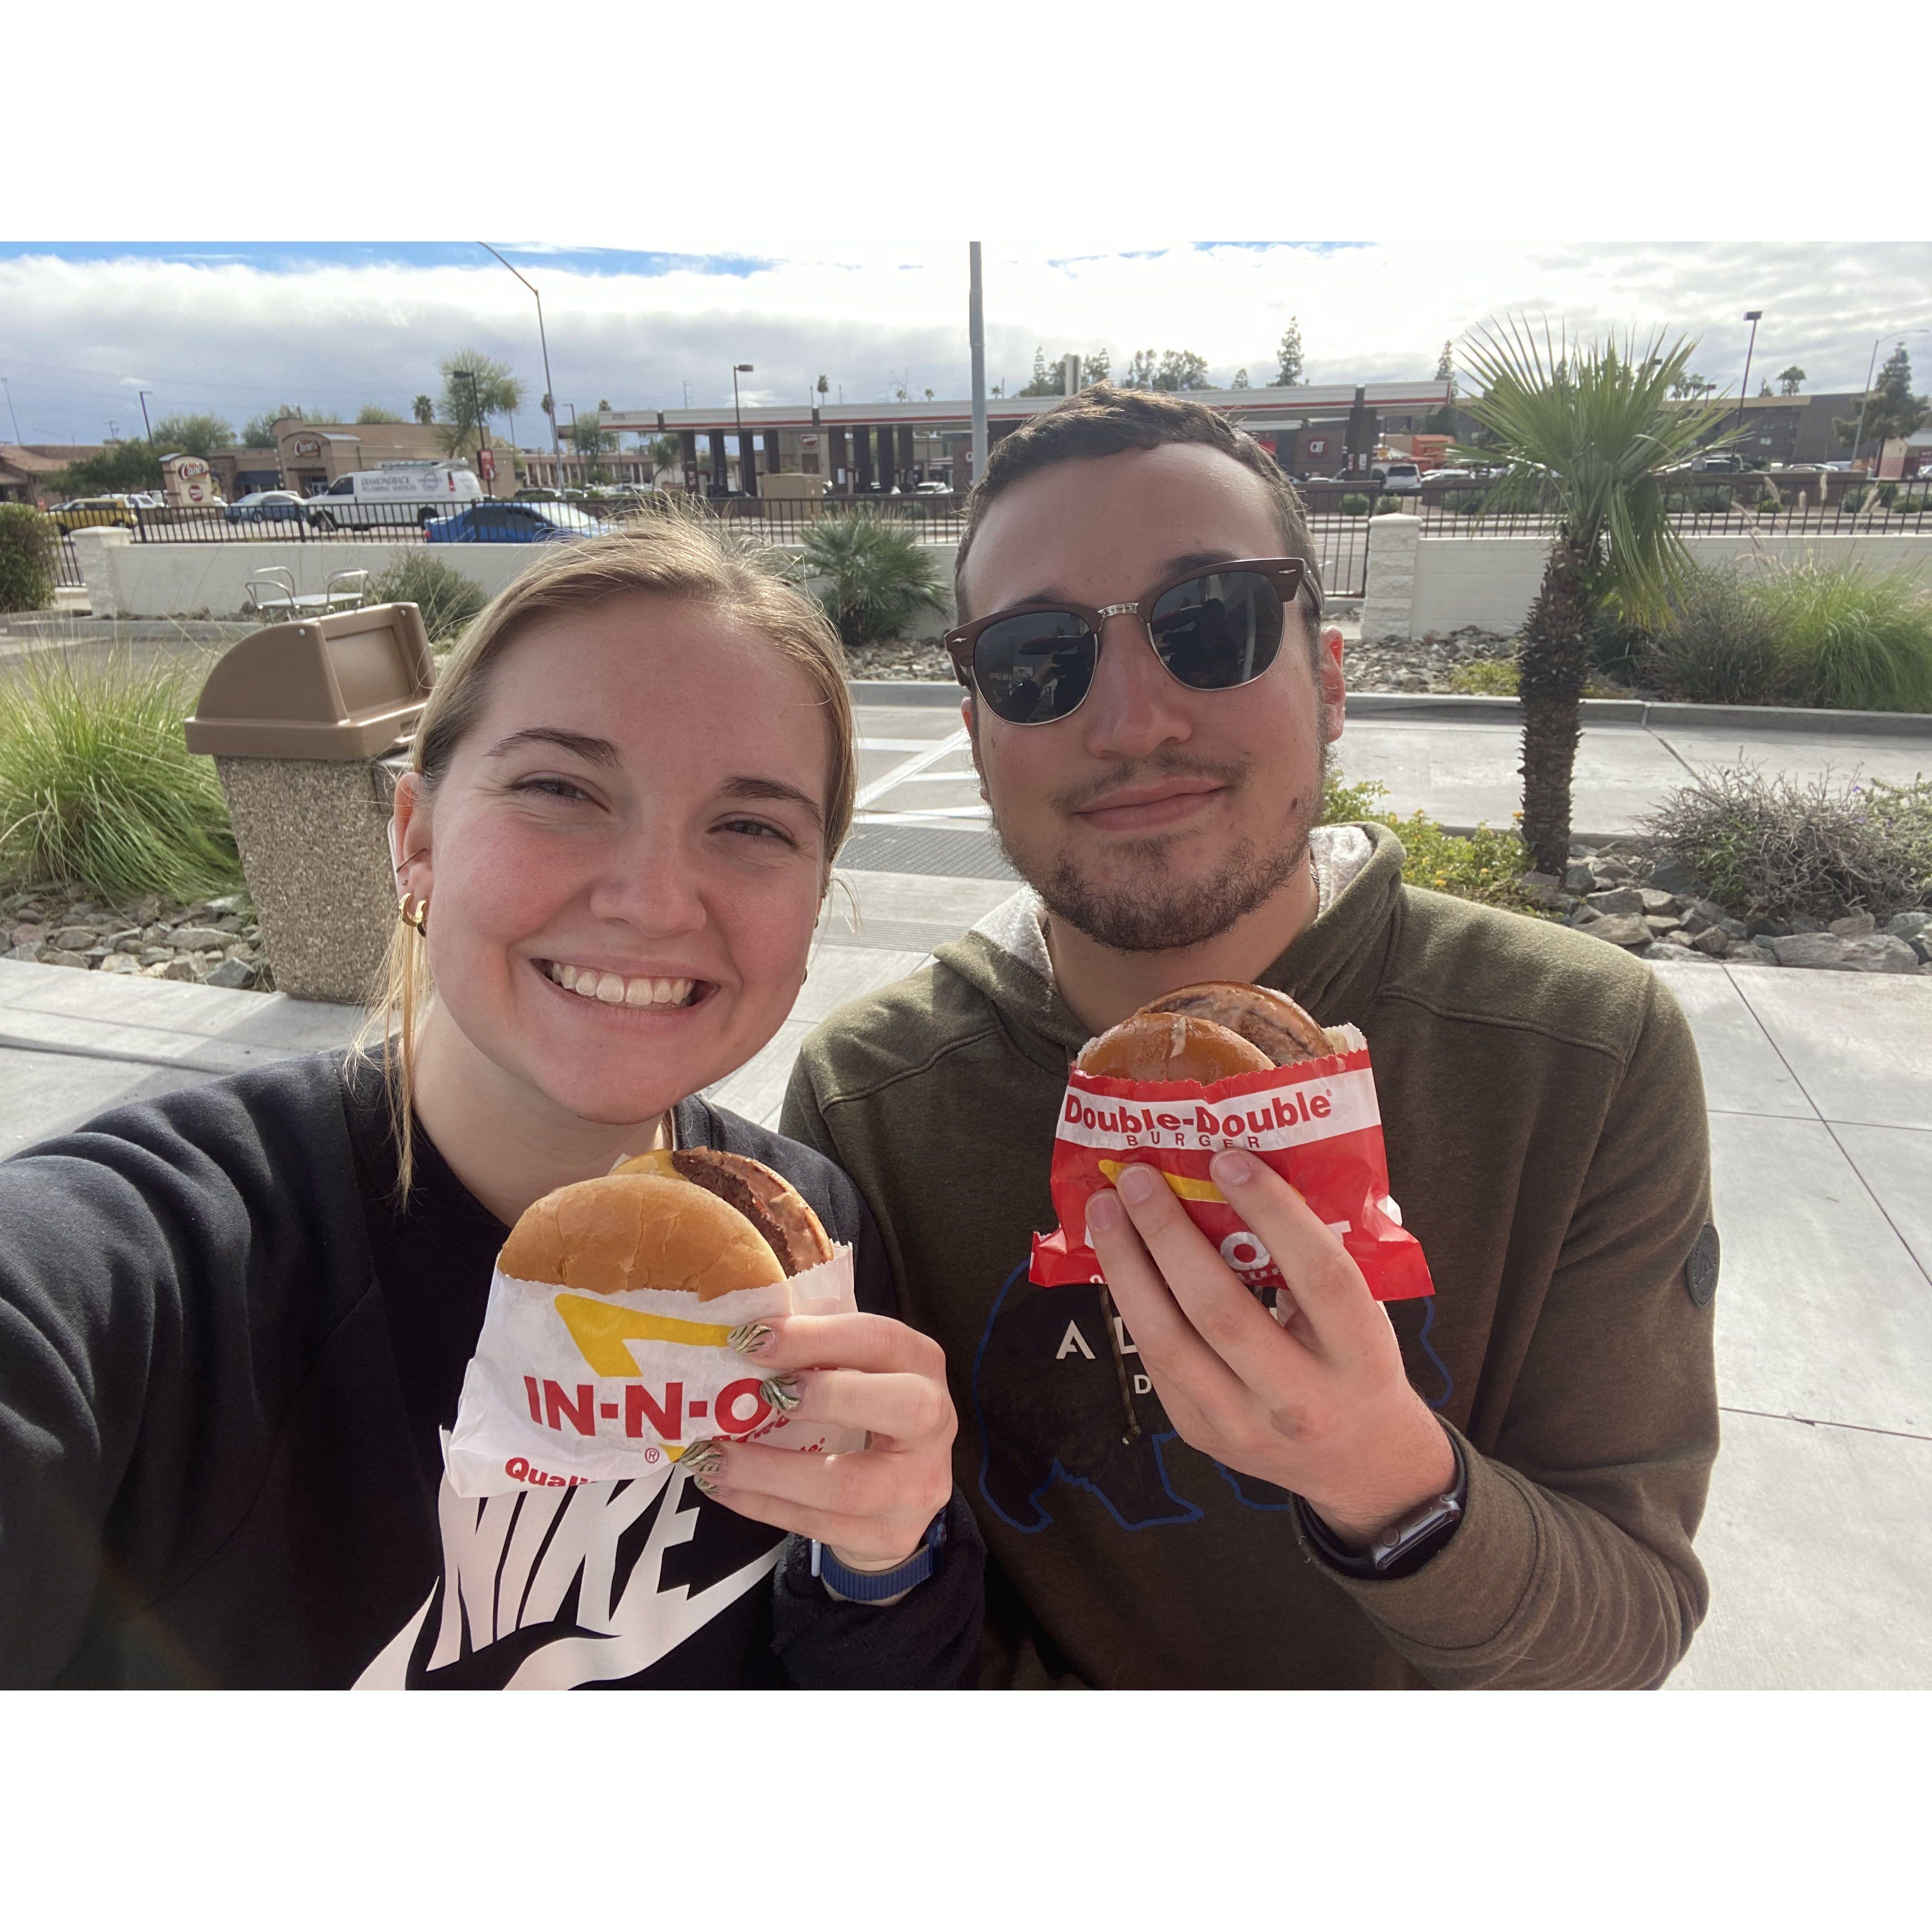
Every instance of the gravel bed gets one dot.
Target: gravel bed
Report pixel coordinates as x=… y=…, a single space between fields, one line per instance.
x=211 y=943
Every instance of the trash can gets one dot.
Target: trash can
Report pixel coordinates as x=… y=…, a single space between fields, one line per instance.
x=307 y=723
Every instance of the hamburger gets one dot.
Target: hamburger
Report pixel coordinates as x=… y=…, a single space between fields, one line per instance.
x=1209 y=1032
x=696 y=1221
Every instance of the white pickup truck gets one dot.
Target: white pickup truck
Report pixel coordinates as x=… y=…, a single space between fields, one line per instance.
x=412 y=493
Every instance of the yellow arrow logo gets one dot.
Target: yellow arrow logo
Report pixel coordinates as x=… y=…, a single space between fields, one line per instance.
x=600 y=1329
x=1188 y=1190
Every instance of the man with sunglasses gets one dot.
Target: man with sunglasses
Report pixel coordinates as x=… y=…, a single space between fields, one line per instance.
x=1495 y=1487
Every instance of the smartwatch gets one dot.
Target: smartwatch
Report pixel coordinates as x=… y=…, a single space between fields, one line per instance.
x=1404 y=1547
x=875 y=1586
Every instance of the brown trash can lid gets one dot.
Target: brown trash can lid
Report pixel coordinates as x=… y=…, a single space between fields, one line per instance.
x=348 y=685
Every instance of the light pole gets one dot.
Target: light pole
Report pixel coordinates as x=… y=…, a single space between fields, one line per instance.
x=8 y=387
x=543 y=341
x=145 y=424
x=1752 y=316
x=555 y=406
x=976 y=338
x=738 y=415
x=1859 y=436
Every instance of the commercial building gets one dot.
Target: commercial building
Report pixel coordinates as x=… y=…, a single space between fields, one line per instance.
x=859 y=448
x=26 y=468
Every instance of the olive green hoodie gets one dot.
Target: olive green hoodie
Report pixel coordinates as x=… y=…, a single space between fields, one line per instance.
x=1544 y=1119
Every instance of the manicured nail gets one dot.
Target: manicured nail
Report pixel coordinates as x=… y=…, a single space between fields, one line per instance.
x=1231 y=1169
x=1137 y=1184
x=705 y=1481
x=702 y=1456
x=781 y=1392
x=750 y=1338
x=1103 y=1214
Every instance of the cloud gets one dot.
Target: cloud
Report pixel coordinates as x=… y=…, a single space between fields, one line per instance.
x=237 y=329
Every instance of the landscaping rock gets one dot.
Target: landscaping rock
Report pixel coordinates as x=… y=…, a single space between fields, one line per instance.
x=60 y=955
x=30 y=952
x=1611 y=871
x=198 y=939
x=1668 y=950
x=1577 y=877
x=179 y=968
x=121 y=962
x=1909 y=925
x=73 y=938
x=1670 y=875
x=1879 y=953
x=1766 y=929
x=233 y=973
x=1803 y=923
x=1655 y=900
x=1854 y=926
x=1753 y=952
x=1618 y=899
x=1661 y=923
x=1620 y=929
x=1810 y=949
x=1712 y=942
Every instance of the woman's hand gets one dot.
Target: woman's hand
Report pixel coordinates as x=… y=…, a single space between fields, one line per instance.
x=870 y=1506
x=1319 y=1404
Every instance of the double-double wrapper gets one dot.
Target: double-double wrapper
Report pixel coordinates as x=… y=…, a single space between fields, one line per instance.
x=1316 y=1123
x=567 y=1387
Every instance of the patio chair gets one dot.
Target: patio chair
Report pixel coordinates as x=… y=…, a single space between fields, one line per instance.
x=271 y=594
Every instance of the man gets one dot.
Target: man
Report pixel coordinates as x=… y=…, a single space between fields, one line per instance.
x=1496 y=1486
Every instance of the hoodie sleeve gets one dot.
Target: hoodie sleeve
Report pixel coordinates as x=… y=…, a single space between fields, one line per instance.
x=1572 y=1567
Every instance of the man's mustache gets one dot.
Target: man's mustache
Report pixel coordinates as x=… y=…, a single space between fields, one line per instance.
x=1130 y=772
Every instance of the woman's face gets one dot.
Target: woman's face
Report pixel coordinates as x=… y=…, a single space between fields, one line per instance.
x=624 y=859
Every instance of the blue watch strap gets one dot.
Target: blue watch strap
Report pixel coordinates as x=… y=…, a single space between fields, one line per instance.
x=874 y=1586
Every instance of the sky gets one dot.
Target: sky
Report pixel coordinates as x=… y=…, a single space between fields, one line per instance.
x=239 y=328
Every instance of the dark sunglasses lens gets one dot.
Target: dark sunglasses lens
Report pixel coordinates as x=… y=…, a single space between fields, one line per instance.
x=1034 y=668
x=1217 y=631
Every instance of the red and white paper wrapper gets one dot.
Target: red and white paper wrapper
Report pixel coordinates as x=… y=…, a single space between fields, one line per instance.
x=567 y=1387
x=1315 y=1123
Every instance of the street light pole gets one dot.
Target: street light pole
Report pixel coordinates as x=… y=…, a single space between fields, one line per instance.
x=1859 y=436
x=555 y=406
x=976 y=335
x=1752 y=316
x=543 y=341
x=738 y=415
x=145 y=424
x=8 y=387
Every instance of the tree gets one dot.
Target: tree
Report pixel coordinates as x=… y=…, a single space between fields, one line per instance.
x=1095 y=368
x=1891 y=410
x=666 y=452
x=193 y=436
x=475 y=387
x=1141 y=367
x=423 y=409
x=119 y=467
x=258 y=432
x=1045 y=382
x=1240 y=378
x=590 y=440
x=823 y=386
x=1686 y=388
x=1442 y=422
x=374 y=412
x=1289 y=375
x=1584 y=434
x=877 y=576
x=1788 y=379
x=1181 y=369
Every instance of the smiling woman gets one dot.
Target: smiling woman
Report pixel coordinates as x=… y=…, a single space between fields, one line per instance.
x=264 y=1294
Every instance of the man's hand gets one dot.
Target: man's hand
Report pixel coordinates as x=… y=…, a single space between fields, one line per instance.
x=1319 y=1405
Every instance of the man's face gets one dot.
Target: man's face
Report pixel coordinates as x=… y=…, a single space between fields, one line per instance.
x=1156 y=816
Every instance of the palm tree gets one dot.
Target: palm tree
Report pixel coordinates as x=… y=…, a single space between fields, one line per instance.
x=877 y=577
x=1584 y=432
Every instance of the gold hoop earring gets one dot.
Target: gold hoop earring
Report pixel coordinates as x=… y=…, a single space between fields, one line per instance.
x=415 y=912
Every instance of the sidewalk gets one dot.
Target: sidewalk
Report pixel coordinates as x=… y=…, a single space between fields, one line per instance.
x=1455 y=759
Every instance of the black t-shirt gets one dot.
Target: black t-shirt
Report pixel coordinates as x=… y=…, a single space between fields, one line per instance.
x=225 y=1362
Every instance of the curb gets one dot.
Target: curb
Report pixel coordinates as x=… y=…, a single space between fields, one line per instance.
x=1425 y=707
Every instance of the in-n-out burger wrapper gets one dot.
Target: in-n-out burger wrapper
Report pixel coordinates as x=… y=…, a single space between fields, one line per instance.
x=568 y=1388
x=1315 y=1122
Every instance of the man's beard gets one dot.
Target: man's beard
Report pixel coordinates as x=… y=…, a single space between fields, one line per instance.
x=1156 y=912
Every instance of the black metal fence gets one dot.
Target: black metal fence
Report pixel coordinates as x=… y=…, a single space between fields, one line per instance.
x=67 y=568
x=1705 y=506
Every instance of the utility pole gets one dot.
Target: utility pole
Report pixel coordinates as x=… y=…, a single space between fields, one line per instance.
x=1752 y=316
x=976 y=335
x=8 y=387
x=145 y=424
x=549 y=387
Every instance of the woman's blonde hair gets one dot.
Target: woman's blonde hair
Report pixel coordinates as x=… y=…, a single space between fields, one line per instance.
x=675 y=552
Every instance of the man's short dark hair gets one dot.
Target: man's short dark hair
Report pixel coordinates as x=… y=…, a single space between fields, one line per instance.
x=1104 y=420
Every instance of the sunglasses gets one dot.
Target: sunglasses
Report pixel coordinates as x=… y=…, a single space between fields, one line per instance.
x=1212 y=630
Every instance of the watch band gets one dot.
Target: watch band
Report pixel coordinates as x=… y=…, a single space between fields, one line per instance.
x=874 y=1586
x=1405 y=1546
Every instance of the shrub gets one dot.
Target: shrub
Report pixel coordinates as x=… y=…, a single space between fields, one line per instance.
x=1486 y=677
x=1387 y=506
x=447 y=598
x=1852 y=500
x=28 y=556
x=1769 y=846
x=1712 y=500
x=97 y=788
x=1353 y=505
x=878 y=578
x=1465 y=502
x=1485 y=865
x=1719 y=647
x=1617 y=646
x=1847 y=640
x=1769 y=505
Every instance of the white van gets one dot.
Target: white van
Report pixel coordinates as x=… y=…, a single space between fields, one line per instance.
x=404 y=493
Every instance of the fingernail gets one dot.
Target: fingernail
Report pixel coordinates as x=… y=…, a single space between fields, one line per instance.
x=1103 y=1214
x=750 y=1338
x=700 y=1457
x=781 y=1392
x=705 y=1482
x=1231 y=1169
x=1137 y=1184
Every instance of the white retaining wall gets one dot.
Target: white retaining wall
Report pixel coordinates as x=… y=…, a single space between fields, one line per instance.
x=1416 y=584
x=127 y=579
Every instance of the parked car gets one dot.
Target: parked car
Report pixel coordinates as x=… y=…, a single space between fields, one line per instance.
x=934 y=487
x=1721 y=462
x=406 y=493
x=268 y=506
x=85 y=513
x=515 y=522
x=1398 y=479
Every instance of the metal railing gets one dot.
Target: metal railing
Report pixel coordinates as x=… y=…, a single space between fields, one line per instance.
x=66 y=570
x=1705 y=506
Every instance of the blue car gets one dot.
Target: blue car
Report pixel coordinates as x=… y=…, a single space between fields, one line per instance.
x=514 y=523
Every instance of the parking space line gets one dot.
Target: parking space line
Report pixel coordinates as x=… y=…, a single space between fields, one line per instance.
x=906 y=768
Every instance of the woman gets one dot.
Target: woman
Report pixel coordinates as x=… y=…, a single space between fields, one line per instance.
x=234 y=1322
